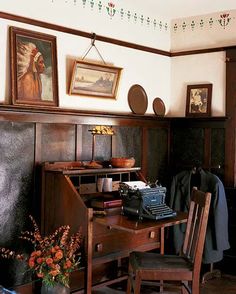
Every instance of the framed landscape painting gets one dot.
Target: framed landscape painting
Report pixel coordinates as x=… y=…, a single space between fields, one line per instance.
x=198 y=102
x=33 y=68
x=92 y=79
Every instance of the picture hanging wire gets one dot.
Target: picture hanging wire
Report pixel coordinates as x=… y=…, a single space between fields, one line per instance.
x=91 y=46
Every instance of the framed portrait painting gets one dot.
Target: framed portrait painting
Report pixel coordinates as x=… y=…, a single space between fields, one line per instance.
x=198 y=102
x=92 y=79
x=33 y=68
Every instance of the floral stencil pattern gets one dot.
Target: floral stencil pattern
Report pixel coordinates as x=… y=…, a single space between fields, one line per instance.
x=112 y=10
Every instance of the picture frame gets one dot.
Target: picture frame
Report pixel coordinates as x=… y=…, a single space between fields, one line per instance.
x=94 y=79
x=34 y=79
x=198 y=102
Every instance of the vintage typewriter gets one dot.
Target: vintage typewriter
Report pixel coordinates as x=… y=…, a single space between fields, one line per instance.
x=145 y=202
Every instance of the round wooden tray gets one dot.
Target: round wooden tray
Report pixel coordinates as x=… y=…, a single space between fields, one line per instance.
x=159 y=107
x=137 y=99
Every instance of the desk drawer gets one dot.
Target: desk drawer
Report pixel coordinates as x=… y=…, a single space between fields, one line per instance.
x=115 y=241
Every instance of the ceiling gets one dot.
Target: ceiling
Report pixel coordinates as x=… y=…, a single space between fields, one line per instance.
x=172 y=9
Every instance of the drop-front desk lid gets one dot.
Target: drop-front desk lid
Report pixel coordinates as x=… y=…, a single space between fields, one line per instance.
x=136 y=226
x=70 y=170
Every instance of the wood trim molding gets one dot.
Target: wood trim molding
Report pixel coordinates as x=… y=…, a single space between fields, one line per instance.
x=69 y=116
x=67 y=30
x=72 y=116
x=80 y=33
x=198 y=51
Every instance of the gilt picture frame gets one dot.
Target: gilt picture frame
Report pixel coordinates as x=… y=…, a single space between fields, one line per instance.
x=198 y=102
x=34 y=79
x=95 y=80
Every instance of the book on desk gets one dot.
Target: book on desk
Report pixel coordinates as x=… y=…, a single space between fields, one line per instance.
x=104 y=203
x=106 y=200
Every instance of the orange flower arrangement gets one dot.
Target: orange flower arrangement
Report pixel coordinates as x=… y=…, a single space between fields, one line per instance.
x=54 y=257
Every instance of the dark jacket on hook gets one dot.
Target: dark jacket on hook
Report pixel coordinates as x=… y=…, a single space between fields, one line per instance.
x=217 y=229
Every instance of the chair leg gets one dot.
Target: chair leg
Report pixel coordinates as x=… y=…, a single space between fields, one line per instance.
x=128 y=290
x=161 y=286
x=137 y=284
x=195 y=286
x=129 y=281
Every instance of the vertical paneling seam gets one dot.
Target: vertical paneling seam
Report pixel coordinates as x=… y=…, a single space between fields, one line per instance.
x=207 y=148
x=37 y=143
x=78 y=142
x=144 y=163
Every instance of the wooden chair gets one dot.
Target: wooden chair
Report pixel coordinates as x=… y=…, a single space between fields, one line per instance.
x=149 y=266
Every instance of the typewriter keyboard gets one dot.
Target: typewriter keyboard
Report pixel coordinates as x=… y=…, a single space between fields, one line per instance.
x=160 y=211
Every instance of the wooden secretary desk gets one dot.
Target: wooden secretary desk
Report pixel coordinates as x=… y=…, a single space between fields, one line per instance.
x=67 y=191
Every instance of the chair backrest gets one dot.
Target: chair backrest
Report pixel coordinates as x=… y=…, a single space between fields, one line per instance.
x=196 y=227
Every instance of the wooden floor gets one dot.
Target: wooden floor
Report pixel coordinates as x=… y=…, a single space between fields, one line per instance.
x=224 y=285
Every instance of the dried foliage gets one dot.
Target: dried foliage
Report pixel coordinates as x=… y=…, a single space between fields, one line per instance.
x=54 y=257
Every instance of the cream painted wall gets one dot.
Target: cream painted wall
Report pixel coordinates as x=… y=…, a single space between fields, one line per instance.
x=198 y=69
x=149 y=70
x=205 y=31
x=199 y=32
x=160 y=76
x=125 y=21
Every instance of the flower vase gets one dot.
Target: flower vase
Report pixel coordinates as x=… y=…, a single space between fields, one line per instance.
x=58 y=288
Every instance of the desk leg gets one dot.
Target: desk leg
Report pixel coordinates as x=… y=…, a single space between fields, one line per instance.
x=162 y=240
x=88 y=276
x=162 y=250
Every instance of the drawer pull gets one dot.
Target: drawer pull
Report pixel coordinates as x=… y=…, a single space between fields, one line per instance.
x=152 y=235
x=99 y=247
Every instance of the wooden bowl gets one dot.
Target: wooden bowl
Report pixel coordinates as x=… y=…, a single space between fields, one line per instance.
x=122 y=162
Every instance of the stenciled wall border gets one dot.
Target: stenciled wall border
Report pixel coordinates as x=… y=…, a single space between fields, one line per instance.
x=113 y=11
x=207 y=22
x=59 y=28
x=64 y=29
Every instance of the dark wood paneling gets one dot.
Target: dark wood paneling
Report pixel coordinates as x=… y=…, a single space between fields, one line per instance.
x=102 y=146
x=58 y=142
x=199 y=142
x=187 y=148
x=16 y=187
x=144 y=160
x=198 y=51
x=218 y=152
x=228 y=263
x=78 y=142
x=230 y=152
x=147 y=138
x=69 y=116
x=218 y=147
x=199 y=122
x=127 y=142
x=157 y=155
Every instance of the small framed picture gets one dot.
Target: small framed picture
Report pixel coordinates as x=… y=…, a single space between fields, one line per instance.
x=33 y=68
x=198 y=102
x=92 y=79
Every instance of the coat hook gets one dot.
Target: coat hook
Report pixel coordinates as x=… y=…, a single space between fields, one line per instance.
x=93 y=39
